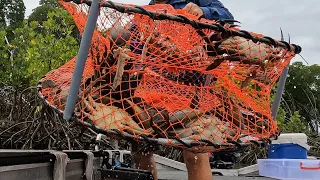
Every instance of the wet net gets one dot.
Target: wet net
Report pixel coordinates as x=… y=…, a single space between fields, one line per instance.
x=160 y=75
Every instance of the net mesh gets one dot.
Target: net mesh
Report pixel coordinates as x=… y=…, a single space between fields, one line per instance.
x=168 y=80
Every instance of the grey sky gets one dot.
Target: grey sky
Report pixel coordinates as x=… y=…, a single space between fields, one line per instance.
x=266 y=17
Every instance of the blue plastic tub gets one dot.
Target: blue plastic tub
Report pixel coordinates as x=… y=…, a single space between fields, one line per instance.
x=287 y=151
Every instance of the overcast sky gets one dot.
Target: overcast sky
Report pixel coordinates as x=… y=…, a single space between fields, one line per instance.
x=266 y=17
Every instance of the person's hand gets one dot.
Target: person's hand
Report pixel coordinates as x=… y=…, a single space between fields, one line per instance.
x=193 y=9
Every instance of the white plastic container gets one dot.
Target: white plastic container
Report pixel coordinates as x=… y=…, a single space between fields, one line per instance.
x=290 y=169
x=295 y=138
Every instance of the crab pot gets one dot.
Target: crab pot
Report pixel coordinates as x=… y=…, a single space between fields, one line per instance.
x=289 y=146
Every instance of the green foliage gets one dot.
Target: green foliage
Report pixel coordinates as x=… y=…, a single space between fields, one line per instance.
x=14 y=67
x=4 y=54
x=53 y=3
x=12 y=12
x=302 y=92
x=62 y=47
x=11 y=15
x=291 y=124
x=34 y=54
x=299 y=110
x=54 y=47
x=40 y=13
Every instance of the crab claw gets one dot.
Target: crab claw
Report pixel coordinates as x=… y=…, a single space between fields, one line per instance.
x=111 y=117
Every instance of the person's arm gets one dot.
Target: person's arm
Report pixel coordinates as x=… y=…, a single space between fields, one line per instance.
x=197 y=165
x=209 y=9
x=212 y=12
x=144 y=161
x=135 y=45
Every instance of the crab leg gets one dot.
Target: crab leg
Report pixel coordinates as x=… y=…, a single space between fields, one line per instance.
x=185 y=115
x=142 y=115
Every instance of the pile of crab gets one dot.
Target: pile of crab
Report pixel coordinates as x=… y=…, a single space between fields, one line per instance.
x=121 y=89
